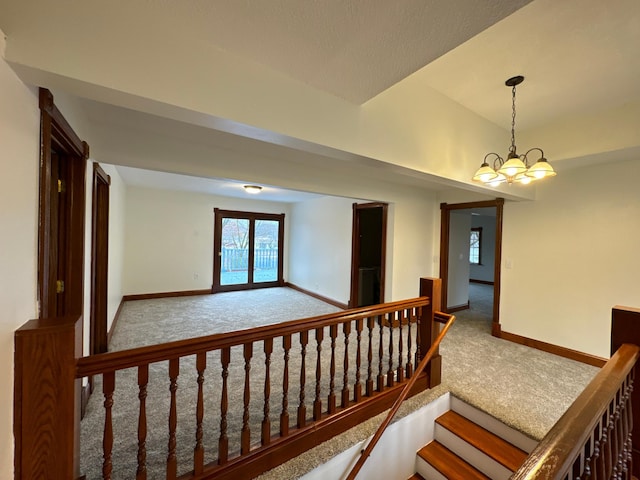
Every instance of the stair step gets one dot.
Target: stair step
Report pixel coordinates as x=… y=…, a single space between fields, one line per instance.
x=416 y=476
x=448 y=463
x=501 y=451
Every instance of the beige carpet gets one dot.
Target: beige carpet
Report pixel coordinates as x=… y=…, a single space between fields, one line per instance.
x=525 y=388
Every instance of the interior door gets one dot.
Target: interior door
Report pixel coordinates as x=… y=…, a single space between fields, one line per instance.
x=368 y=254
x=248 y=250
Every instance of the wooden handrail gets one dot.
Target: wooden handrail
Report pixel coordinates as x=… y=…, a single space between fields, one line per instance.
x=556 y=453
x=96 y=364
x=403 y=395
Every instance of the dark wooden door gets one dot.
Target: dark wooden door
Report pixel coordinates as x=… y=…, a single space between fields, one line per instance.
x=368 y=255
x=99 y=261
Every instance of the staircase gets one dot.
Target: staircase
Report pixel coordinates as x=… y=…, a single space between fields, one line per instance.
x=469 y=444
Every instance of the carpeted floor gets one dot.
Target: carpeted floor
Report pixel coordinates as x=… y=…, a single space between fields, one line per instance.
x=525 y=388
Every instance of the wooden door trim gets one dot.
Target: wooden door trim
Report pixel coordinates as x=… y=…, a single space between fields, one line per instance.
x=99 y=262
x=355 y=249
x=445 y=224
x=56 y=131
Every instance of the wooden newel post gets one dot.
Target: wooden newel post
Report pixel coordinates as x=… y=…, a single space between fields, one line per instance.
x=429 y=328
x=625 y=328
x=47 y=398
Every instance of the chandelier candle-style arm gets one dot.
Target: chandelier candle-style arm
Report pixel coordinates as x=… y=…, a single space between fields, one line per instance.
x=516 y=167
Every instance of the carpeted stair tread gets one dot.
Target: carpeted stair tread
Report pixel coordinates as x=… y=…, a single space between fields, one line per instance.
x=495 y=447
x=448 y=463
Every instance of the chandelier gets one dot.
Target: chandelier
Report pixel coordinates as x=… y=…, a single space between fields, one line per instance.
x=515 y=168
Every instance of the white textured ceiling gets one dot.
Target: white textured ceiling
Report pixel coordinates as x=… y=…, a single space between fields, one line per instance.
x=352 y=49
x=579 y=57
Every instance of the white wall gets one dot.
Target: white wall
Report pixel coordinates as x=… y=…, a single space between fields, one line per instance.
x=458 y=286
x=320 y=248
x=20 y=146
x=169 y=238
x=485 y=271
x=574 y=255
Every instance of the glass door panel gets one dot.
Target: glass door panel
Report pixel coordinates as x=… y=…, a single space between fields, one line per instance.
x=234 y=252
x=265 y=251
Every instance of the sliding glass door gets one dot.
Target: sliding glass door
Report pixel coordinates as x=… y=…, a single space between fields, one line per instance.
x=247 y=250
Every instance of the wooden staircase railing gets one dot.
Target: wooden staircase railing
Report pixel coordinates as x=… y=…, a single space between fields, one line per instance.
x=335 y=371
x=441 y=317
x=592 y=440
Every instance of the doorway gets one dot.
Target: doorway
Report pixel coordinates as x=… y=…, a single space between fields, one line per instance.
x=98 y=342
x=61 y=214
x=460 y=249
x=368 y=256
x=248 y=250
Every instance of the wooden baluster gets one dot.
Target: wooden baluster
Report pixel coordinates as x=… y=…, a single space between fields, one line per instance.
x=418 y=318
x=172 y=460
x=284 y=415
x=108 y=386
x=317 y=403
x=390 y=372
x=400 y=369
x=380 y=354
x=331 y=401
x=370 y=326
x=611 y=449
x=628 y=422
x=409 y=366
x=245 y=436
x=266 y=422
x=198 y=451
x=346 y=329
x=357 y=388
x=143 y=380
x=302 y=409
x=619 y=431
x=599 y=470
x=223 y=442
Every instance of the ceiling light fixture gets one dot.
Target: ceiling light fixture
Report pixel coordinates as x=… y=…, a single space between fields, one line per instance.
x=253 y=188
x=516 y=167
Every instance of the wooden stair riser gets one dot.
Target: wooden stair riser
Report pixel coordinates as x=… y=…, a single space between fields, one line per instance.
x=471 y=454
x=438 y=462
x=493 y=425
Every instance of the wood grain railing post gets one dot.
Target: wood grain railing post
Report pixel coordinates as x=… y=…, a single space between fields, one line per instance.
x=245 y=440
x=429 y=328
x=317 y=403
x=198 y=451
x=172 y=459
x=108 y=387
x=302 y=409
x=357 y=387
x=143 y=380
x=266 y=422
x=331 y=400
x=46 y=398
x=346 y=329
x=223 y=441
x=284 y=415
x=371 y=323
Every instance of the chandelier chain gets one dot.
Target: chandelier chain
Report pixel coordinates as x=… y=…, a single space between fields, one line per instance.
x=513 y=119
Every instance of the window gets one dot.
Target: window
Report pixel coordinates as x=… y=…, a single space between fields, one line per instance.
x=475 y=246
x=248 y=250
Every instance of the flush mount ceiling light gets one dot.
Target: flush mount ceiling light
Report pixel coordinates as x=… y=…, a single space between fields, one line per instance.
x=253 y=188
x=516 y=167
